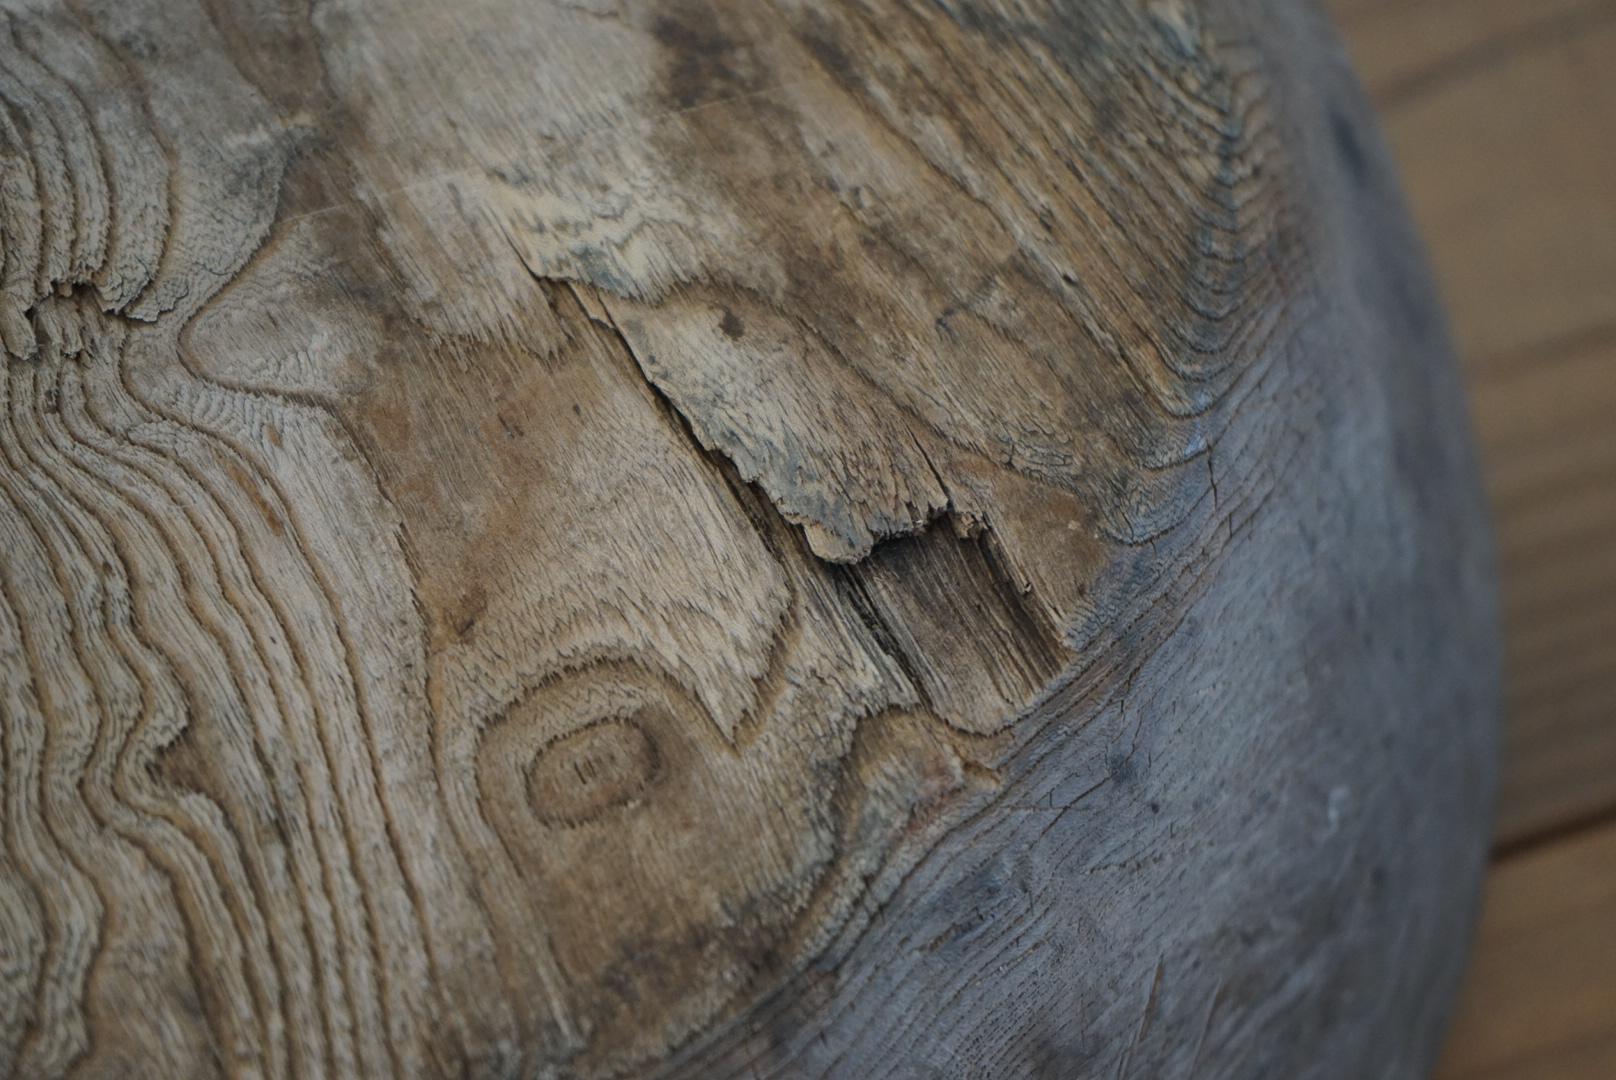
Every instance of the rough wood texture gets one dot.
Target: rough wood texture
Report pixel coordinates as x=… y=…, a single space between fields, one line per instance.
x=725 y=540
x=1541 y=1002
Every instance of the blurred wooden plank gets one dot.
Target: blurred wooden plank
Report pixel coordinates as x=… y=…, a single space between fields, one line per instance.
x=1550 y=452
x=1541 y=998
x=1502 y=114
x=1510 y=173
x=1405 y=47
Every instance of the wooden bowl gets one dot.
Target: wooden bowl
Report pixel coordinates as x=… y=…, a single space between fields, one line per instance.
x=720 y=539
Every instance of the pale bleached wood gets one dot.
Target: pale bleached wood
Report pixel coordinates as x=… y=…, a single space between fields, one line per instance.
x=581 y=539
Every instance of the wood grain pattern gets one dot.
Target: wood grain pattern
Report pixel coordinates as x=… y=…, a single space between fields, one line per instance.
x=588 y=538
x=1540 y=1001
x=1501 y=117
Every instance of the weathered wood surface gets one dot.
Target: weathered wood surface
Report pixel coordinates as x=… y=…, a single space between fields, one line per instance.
x=1502 y=117
x=724 y=539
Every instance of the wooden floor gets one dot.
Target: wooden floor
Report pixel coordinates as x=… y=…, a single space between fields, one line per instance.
x=1502 y=114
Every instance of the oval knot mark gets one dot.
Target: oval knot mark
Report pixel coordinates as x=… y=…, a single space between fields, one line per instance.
x=577 y=777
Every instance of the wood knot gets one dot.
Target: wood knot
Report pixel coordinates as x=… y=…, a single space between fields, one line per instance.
x=588 y=772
